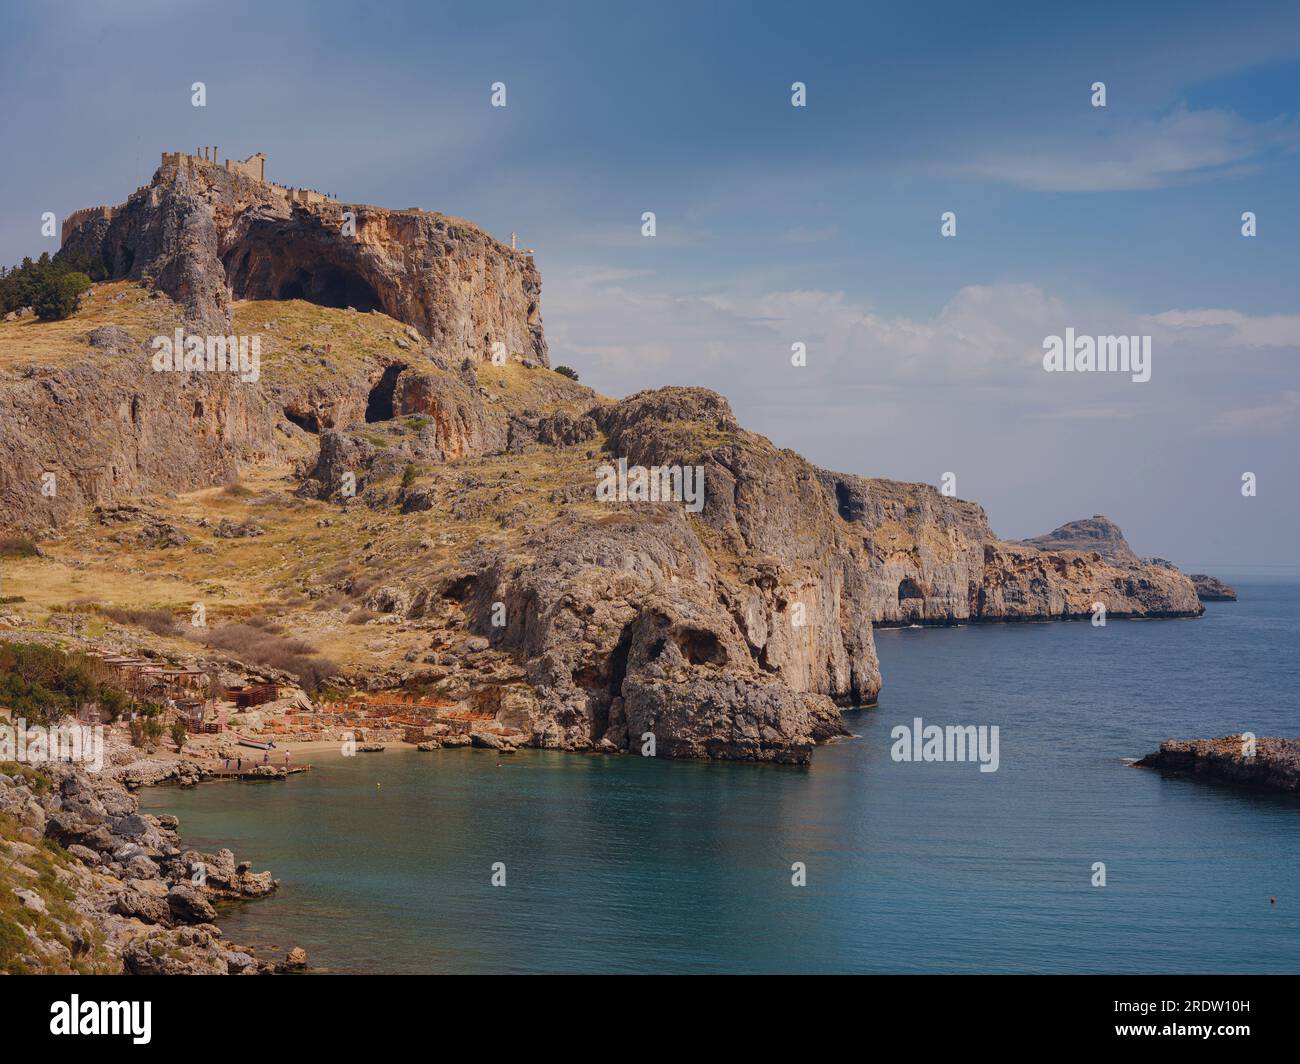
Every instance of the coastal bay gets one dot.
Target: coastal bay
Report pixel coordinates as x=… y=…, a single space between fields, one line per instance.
x=626 y=863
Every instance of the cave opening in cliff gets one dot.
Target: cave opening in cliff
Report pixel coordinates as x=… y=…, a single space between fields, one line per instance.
x=379 y=406
x=331 y=287
x=269 y=264
x=460 y=589
x=306 y=422
x=848 y=507
x=700 y=647
x=907 y=589
x=618 y=662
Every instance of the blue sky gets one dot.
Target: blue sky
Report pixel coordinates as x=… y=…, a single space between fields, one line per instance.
x=778 y=224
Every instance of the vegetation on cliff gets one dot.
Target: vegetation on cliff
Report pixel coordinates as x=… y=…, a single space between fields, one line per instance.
x=51 y=287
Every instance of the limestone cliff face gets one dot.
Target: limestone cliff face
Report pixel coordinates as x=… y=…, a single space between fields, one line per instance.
x=463 y=423
x=625 y=628
x=96 y=414
x=206 y=235
x=109 y=428
x=1021 y=583
x=934 y=560
x=800 y=595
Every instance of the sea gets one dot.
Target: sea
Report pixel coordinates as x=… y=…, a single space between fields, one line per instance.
x=1066 y=859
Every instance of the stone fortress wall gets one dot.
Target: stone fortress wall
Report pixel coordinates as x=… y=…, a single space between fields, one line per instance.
x=253 y=168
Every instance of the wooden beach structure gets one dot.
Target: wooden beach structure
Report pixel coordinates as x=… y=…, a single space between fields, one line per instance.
x=249 y=771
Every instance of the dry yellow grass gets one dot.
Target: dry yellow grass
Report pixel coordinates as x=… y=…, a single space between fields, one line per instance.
x=346 y=341
x=284 y=572
x=308 y=547
x=27 y=341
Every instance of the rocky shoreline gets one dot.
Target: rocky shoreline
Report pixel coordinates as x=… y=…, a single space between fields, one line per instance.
x=89 y=884
x=1239 y=760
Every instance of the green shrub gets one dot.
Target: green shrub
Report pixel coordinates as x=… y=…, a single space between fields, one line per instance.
x=42 y=683
x=58 y=295
x=31 y=283
x=567 y=371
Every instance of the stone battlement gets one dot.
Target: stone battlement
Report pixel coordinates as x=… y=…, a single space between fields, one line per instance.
x=253 y=168
x=173 y=162
x=86 y=214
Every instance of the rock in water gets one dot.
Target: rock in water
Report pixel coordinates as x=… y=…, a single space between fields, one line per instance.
x=1211 y=588
x=1244 y=761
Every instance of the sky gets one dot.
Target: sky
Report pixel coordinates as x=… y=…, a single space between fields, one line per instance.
x=778 y=224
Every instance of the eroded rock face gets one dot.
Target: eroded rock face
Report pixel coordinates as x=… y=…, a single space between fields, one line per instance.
x=625 y=629
x=799 y=592
x=732 y=634
x=924 y=552
x=110 y=428
x=205 y=235
x=1021 y=583
x=934 y=559
x=462 y=423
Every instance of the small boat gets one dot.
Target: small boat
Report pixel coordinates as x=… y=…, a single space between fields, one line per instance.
x=257 y=744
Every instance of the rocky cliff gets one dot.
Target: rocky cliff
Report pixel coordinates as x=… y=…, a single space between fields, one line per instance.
x=934 y=559
x=430 y=518
x=207 y=235
x=1090 y=535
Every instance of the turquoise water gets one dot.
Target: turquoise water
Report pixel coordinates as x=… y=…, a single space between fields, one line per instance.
x=631 y=865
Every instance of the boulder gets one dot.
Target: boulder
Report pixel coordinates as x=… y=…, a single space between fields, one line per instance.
x=189 y=906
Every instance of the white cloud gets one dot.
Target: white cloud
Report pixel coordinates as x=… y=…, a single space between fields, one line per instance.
x=1238 y=329
x=1264 y=419
x=1154 y=153
x=983 y=348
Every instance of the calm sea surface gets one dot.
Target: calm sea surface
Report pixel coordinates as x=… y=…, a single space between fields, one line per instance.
x=627 y=864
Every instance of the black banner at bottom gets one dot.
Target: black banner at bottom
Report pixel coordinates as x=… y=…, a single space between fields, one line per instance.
x=303 y=1013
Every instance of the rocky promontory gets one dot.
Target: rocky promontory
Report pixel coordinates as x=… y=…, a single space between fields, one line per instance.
x=933 y=560
x=1212 y=589
x=1241 y=760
